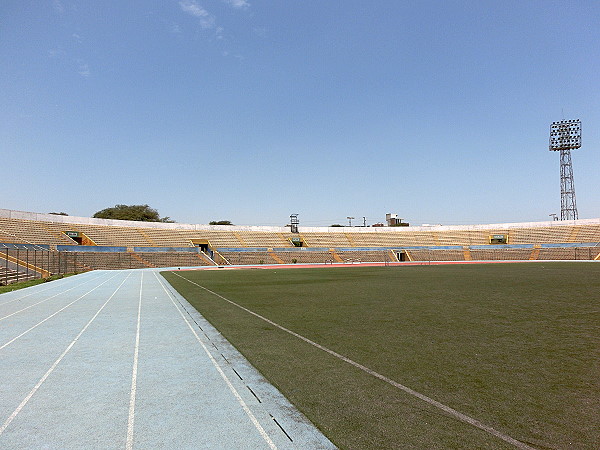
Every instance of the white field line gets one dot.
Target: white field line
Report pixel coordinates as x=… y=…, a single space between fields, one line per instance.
x=451 y=411
x=238 y=397
x=53 y=314
x=130 y=421
x=51 y=369
x=45 y=300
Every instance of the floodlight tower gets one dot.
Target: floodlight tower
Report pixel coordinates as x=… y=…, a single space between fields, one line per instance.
x=294 y=222
x=565 y=135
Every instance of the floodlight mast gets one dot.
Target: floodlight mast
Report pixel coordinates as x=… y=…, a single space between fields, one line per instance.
x=565 y=135
x=294 y=222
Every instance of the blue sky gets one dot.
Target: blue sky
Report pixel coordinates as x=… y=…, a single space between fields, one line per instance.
x=249 y=110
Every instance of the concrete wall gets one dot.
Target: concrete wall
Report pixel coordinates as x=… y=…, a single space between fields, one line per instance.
x=11 y=214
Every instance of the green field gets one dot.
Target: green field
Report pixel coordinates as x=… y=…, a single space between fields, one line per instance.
x=515 y=346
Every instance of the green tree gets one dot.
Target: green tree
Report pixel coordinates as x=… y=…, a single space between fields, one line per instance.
x=220 y=222
x=142 y=213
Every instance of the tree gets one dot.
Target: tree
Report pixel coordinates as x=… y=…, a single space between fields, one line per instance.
x=220 y=222
x=59 y=214
x=142 y=213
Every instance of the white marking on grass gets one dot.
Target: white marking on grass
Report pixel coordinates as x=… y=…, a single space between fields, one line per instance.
x=451 y=411
x=52 y=315
x=238 y=397
x=130 y=421
x=60 y=358
x=45 y=300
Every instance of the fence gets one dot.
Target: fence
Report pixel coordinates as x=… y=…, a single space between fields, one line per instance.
x=21 y=264
x=18 y=264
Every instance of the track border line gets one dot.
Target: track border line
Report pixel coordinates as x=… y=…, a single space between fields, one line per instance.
x=131 y=418
x=231 y=387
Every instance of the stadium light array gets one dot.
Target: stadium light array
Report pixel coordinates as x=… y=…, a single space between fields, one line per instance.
x=565 y=135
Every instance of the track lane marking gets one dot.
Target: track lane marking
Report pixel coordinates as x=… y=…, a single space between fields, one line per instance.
x=233 y=390
x=52 y=315
x=45 y=300
x=131 y=419
x=451 y=411
x=24 y=296
x=56 y=363
x=38 y=291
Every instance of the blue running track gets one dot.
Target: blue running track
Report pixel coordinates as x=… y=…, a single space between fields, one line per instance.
x=117 y=359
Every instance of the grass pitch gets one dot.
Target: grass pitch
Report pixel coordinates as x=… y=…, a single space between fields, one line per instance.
x=515 y=346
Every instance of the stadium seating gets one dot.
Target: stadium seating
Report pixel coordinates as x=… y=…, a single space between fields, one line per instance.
x=366 y=255
x=328 y=240
x=569 y=253
x=247 y=258
x=505 y=254
x=31 y=232
x=306 y=257
x=112 y=244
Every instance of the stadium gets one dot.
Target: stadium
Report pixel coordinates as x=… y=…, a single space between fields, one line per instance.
x=373 y=337
x=85 y=244
x=250 y=317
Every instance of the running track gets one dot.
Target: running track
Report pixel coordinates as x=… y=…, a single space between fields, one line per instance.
x=117 y=359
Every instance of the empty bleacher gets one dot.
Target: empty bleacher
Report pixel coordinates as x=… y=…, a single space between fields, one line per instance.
x=248 y=258
x=501 y=254
x=306 y=256
x=328 y=240
x=568 y=253
x=158 y=237
x=171 y=259
x=365 y=255
x=274 y=244
x=262 y=239
x=31 y=232
x=436 y=255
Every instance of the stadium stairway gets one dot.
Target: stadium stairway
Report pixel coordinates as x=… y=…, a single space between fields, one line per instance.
x=273 y=255
x=142 y=260
x=9 y=259
x=9 y=276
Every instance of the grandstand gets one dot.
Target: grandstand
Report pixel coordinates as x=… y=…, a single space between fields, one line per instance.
x=45 y=243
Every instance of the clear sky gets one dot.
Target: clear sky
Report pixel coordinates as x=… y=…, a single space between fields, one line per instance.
x=250 y=110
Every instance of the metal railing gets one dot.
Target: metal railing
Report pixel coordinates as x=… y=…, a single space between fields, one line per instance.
x=26 y=264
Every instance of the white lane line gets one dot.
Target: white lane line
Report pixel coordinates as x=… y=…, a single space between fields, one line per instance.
x=45 y=300
x=52 y=315
x=451 y=411
x=51 y=369
x=130 y=421
x=38 y=291
x=236 y=394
